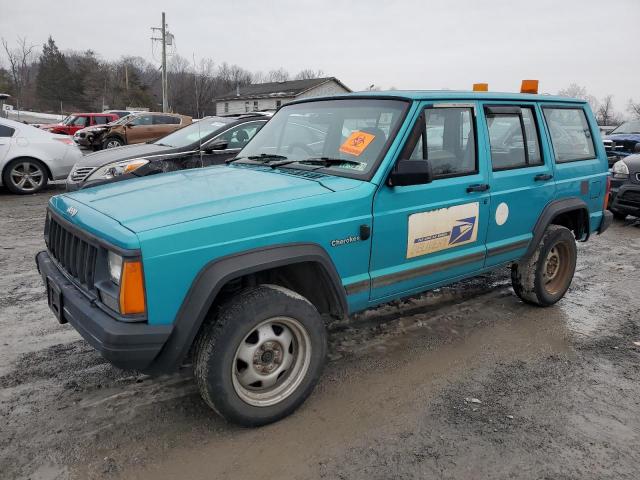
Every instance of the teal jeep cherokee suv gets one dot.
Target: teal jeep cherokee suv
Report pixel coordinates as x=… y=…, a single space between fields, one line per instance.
x=336 y=205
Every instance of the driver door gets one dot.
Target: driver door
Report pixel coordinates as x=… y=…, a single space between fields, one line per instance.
x=433 y=233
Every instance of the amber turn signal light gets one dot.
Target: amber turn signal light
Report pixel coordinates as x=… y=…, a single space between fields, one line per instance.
x=480 y=87
x=132 y=288
x=529 y=86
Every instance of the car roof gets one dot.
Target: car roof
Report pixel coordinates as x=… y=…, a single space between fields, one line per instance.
x=450 y=95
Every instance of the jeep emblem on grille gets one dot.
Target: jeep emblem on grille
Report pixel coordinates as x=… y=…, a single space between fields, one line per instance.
x=72 y=211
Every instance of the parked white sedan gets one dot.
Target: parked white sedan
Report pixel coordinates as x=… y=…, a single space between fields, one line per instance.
x=30 y=157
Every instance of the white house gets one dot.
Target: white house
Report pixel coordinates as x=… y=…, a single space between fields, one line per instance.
x=269 y=96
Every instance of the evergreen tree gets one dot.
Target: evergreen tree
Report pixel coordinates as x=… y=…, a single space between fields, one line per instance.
x=55 y=83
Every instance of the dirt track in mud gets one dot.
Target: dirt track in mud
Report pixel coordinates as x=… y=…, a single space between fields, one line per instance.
x=464 y=382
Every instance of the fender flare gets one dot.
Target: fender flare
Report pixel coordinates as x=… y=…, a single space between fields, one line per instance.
x=213 y=276
x=552 y=210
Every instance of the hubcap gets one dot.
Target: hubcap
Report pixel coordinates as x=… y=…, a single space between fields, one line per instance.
x=555 y=272
x=27 y=176
x=113 y=144
x=271 y=361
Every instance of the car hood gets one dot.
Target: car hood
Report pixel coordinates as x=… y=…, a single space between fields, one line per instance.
x=161 y=200
x=109 y=155
x=633 y=162
x=623 y=137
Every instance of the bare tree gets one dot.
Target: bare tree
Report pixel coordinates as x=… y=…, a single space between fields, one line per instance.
x=279 y=75
x=577 y=91
x=20 y=65
x=605 y=114
x=633 y=108
x=308 y=74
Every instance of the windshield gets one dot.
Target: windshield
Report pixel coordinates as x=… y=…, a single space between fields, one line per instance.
x=193 y=132
x=628 y=127
x=352 y=133
x=69 y=120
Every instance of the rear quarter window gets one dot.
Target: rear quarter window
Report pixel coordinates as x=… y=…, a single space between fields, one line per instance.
x=570 y=133
x=6 y=131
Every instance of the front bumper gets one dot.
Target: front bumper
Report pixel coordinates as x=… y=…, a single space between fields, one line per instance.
x=626 y=199
x=130 y=346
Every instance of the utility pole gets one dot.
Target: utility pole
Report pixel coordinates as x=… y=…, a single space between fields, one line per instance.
x=165 y=37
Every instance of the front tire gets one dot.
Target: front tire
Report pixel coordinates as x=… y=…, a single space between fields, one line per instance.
x=112 y=142
x=262 y=355
x=619 y=215
x=25 y=175
x=544 y=277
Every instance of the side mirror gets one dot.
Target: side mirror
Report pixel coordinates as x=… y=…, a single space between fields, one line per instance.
x=217 y=145
x=636 y=148
x=410 y=172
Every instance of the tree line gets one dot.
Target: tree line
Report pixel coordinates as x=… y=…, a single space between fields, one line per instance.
x=49 y=80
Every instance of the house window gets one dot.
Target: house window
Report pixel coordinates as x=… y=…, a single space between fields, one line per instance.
x=255 y=105
x=278 y=103
x=226 y=107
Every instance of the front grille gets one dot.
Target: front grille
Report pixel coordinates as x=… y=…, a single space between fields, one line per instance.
x=80 y=174
x=76 y=256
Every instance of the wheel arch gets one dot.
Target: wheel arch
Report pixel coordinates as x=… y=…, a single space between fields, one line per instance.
x=571 y=212
x=206 y=291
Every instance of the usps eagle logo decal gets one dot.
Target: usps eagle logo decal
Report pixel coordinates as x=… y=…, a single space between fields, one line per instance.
x=462 y=231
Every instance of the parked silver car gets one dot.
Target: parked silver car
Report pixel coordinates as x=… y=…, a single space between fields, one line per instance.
x=30 y=157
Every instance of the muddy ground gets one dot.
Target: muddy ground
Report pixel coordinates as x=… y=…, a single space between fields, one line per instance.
x=464 y=382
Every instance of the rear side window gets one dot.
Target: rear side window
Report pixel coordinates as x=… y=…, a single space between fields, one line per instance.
x=570 y=134
x=448 y=141
x=165 y=120
x=101 y=120
x=6 y=131
x=513 y=136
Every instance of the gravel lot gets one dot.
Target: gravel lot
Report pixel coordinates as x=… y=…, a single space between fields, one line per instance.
x=464 y=382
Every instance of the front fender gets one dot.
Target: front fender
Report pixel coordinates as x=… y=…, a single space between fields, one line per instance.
x=216 y=274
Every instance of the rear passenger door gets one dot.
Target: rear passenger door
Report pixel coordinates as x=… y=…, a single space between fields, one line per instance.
x=432 y=233
x=521 y=177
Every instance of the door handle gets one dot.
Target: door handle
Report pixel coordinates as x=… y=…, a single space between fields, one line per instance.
x=478 y=187
x=543 y=177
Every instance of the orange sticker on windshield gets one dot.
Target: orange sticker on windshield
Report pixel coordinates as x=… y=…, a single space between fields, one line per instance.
x=357 y=143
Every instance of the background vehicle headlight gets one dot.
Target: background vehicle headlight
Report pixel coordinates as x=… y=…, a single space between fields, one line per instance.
x=115 y=267
x=620 y=169
x=116 y=169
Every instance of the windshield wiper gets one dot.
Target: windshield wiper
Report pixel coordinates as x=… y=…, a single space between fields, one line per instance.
x=324 y=161
x=262 y=158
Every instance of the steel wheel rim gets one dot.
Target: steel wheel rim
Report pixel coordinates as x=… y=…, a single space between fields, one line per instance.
x=556 y=268
x=113 y=144
x=27 y=176
x=271 y=361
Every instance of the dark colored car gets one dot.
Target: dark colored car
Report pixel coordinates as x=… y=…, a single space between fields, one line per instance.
x=623 y=141
x=78 y=121
x=625 y=187
x=210 y=141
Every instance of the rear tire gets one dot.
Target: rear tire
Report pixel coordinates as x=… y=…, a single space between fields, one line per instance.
x=262 y=355
x=544 y=277
x=112 y=142
x=25 y=176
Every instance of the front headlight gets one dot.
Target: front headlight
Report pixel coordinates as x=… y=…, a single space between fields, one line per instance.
x=115 y=267
x=116 y=169
x=620 y=169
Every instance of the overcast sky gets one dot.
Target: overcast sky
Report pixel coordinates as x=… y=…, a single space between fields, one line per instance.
x=413 y=44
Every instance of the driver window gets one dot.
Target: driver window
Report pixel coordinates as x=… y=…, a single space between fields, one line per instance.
x=239 y=136
x=448 y=142
x=142 y=120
